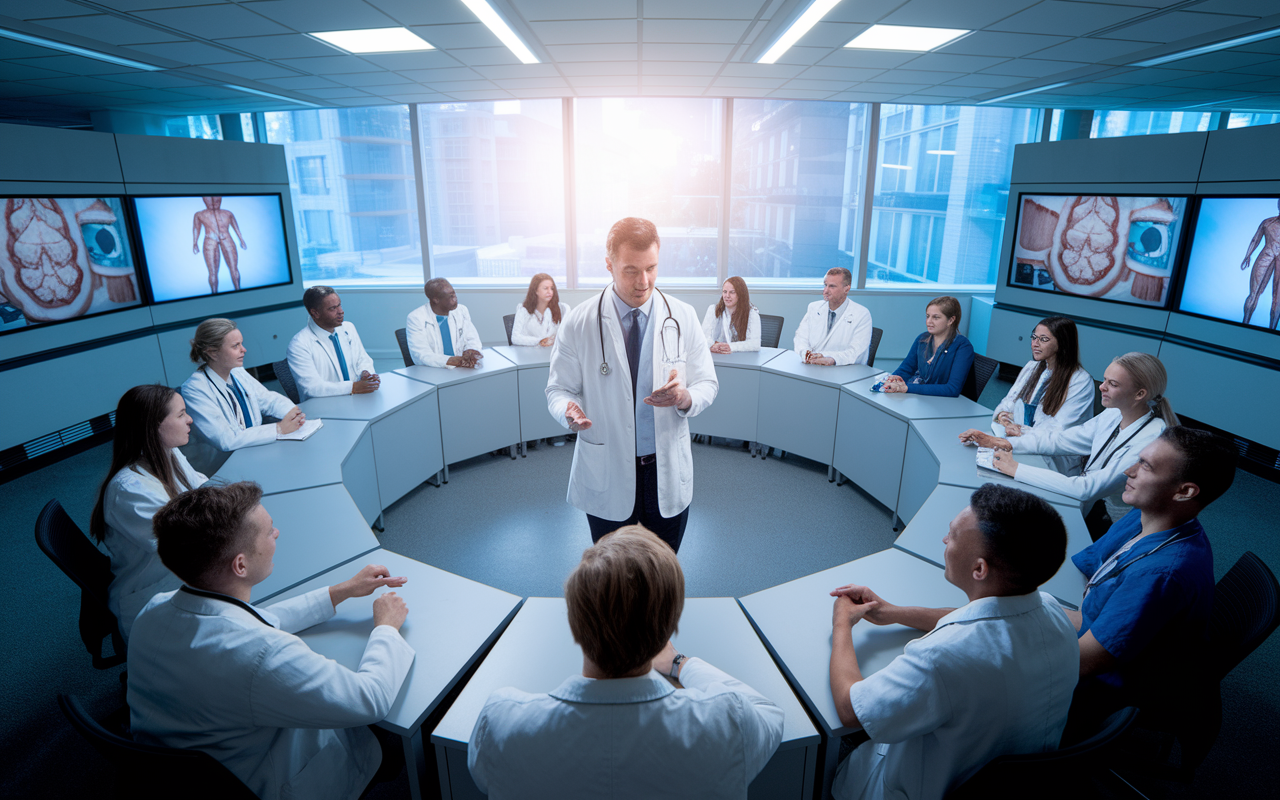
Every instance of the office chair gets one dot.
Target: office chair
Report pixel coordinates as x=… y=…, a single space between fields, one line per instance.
x=1055 y=774
x=876 y=334
x=151 y=771
x=402 y=339
x=979 y=374
x=66 y=546
x=509 y=322
x=287 y=383
x=770 y=330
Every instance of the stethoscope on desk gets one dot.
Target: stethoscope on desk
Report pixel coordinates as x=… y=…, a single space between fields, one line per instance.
x=605 y=369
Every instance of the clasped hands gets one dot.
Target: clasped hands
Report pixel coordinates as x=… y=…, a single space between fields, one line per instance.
x=369 y=382
x=1003 y=459
x=811 y=357
x=292 y=421
x=469 y=358
x=894 y=384
x=721 y=347
x=854 y=602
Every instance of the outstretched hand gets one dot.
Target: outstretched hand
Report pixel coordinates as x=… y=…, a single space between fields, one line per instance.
x=577 y=420
x=671 y=393
x=364 y=583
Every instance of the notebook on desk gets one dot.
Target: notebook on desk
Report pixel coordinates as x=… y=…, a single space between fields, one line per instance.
x=301 y=434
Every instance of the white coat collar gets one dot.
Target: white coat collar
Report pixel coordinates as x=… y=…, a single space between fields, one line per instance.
x=985 y=608
x=643 y=689
x=213 y=604
x=320 y=333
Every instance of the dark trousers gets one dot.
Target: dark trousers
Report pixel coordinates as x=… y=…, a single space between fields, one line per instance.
x=645 y=511
x=392 y=747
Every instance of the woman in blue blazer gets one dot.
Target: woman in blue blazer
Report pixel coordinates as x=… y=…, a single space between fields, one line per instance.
x=941 y=358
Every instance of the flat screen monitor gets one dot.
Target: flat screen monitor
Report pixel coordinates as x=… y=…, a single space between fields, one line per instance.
x=64 y=258
x=1231 y=272
x=197 y=246
x=1118 y=248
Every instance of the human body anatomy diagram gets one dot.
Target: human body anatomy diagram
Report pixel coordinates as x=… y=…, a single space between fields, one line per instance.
x=1264 y=267
x=218 y=225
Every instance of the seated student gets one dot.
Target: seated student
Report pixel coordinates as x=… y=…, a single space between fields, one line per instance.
x=941 y=358
x=993 y=677
x=227 y=403
x=1136 y=412
x=1150 y=578
x=327 y=357
x=147 y=471
x=440 y=332
x=1052 y=392
x=733 y=324
x=538 y=317
x=620 y=729
x=208 y=671
x=834 y=330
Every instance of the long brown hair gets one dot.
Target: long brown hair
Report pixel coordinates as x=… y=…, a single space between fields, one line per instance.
x=137 y=444
x=531 y=296
x=1066 y=362
x=741 y=312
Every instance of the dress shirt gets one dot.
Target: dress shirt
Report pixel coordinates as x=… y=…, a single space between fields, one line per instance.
x=848 y=341
x=207 y=674
x=1103 y=477
x=314 y=363
x=216 y=415
x=426 y=346
x=720 y=329
x=531 y=328
x=945 y=377
x=1076 y=408
x=132 y=498
x=626 y=738
x=993 y=677
x=645 y=441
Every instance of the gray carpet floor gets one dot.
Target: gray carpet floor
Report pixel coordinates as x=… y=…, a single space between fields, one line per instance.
x=753 y=524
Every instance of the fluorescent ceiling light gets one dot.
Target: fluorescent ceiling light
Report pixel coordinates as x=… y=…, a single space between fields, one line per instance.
x=1208 y=48
x=261 y=93
x=1004 y=97
x=904 y=37
x=940 y=152
x=375 y=40
x=798 y=28
x=499 y=28
x=40 y=41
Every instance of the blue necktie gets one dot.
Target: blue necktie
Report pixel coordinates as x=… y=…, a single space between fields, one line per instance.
x=244 y=406
x=633 y=349
x=831 y=320
x=342 y=361
x=446 y=338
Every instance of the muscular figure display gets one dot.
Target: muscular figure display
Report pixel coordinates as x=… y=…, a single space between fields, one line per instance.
x=1264 y=267
x=218 y=225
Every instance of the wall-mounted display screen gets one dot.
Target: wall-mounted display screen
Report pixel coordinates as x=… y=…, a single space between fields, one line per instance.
x=1107 y=247
x=195 y=246
x=1233 y=270
x=62 y=258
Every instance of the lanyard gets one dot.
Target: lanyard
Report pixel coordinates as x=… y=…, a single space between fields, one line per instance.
x=1108 y=570
x=222 y=396
x=1112 y=438
x=226 y=599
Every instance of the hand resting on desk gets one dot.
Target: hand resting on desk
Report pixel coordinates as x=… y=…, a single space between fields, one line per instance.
x=975 y=436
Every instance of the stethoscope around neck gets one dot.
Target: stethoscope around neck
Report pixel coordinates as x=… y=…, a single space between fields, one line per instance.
x=605 y=369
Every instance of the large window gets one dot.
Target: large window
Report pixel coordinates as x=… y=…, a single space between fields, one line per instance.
x=493 y=175
x=657 y=158
x=354 y=201
x=942 y=184
x=1108 y=124
x=1246 y=119
x=797 y=173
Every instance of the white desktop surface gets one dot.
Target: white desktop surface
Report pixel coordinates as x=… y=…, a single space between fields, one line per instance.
x=908 y=406
x=524 y=357
x=493 y=363
x=396 y=392
x=788 y=362
x=320 y=528
x=747 y=358
x=287 y=466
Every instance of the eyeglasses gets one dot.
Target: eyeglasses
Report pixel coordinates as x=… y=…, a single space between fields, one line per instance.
x=1041 y=339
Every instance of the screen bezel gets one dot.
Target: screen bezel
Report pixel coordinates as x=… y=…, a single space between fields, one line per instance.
x=145 y=275
x=1175 y=279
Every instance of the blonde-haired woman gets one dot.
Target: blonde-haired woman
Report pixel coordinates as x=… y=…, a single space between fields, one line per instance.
x=226 y=402
x=1136 y=412
x=733 y=324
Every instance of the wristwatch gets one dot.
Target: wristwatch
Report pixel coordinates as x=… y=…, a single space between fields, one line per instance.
x=675 y=665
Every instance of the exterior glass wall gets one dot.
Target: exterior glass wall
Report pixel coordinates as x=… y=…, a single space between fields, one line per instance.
x=1108 y=124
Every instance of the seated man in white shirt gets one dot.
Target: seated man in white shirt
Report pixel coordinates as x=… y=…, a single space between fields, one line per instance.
x=993 y=677
x=208 y=671
x=835 y=330
x=327 y=357
x=620 y=729
x=440 y=332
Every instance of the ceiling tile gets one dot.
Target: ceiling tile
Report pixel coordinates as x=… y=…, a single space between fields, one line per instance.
x=952 y=14
x=389 y=88
x=701 y=9
x=214 y=22
x=539 y=94
x=671 y=91
x=449 y=37
x=868 y=59
x=484 y=56
x=533 y=10
x=339 y=93
x=1091 y=50
x=214 y=92
x=827 y=86
x=1218 y=62
x=488 y=94
x=675 y=80
x=799 y=94
x=255 y=70
x=986 y=81
x=332 y=65
x=72 y=65
x=1251 y=8
x=923 y=76
x=531 y=83
x=189 y=52
x=439 y=75
x=863 y=11
x=1136 y=91
x=597 y=80
x=293 y=45
x=740 y=82
x=992 y=43
x=11 y=49
x=430 y=59
x=1064 y=18
x=1147 y=75
x=807 y=56
x=26 y=72
x=593 y=52
x=519 y=71
x=666 y=51
x=764 y=70
x=418 y=12
x=321 y=15
x=109 y=29
x=1267 y=68
x=449 y=87
x=1215 y=81
x=859 y=96
x=8 y=89
x=895 y=86
x=944 y=62
x=1032 y=68
x=847 y=74
x=301 y=82
x=585 y=32
x=697 y=68
x=417 y=97
x=832 y=34
x=41 y=9
x=1175 y=26
x=600 y=68
x=169 y=79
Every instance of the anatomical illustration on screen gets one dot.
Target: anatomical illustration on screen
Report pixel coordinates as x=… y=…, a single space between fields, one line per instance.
x=1108 y=247
x=1233 y=272
x=63 y=258
x=200 y=246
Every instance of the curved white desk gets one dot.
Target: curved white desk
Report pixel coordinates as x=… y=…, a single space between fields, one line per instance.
x=735 y=413
x=533 y=368
x=479 y=406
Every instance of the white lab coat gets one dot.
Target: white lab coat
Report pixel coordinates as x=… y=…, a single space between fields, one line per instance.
x=216 y=414
x=425 y=344
x=1076 y=408
x=528 y=330
x=206 y=674
x=315 y=366
x=849 y=341
x=132 y=498
x=602 y=481
x=750 y=343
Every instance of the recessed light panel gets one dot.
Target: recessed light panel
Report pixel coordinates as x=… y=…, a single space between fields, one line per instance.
x=375 y=40
x=904 y=37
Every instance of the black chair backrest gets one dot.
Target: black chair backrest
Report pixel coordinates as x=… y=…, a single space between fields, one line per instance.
x=285 y=376
x=402 y=339
x=1246 y=603
x=147 y=770
x=65 y=544
x=509 y=322
x=981 y=371
x=770 y=330
x=876 y=335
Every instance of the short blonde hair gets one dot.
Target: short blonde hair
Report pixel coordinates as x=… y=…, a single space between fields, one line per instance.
x=625 y=599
